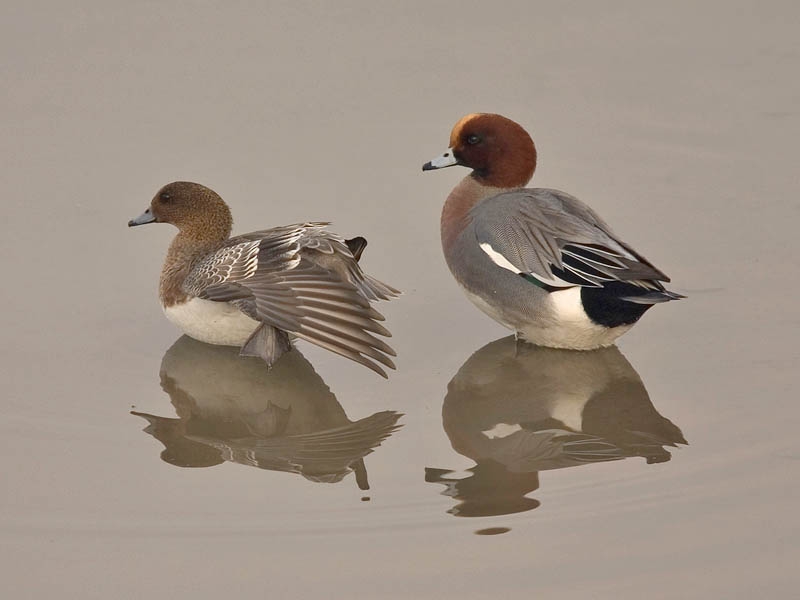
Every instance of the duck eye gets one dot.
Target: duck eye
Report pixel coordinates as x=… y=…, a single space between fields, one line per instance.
x=473 y=139
x=164 y=197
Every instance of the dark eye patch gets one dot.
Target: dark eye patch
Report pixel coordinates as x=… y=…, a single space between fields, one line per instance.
x=473 y=139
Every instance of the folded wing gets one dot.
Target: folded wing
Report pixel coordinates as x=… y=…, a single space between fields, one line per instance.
x=556 y=241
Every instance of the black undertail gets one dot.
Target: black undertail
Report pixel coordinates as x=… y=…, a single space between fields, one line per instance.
x=609 y=306
x=356 y=246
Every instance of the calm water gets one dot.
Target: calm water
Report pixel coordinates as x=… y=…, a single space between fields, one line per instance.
x=141 y=464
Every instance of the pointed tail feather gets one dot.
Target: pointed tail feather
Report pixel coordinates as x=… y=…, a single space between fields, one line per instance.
x=655 y=297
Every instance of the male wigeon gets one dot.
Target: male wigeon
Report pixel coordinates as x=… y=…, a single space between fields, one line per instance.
x=258 y=289
x=538 y=261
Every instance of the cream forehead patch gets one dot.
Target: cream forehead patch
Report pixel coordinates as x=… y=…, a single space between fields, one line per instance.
x=462 y=122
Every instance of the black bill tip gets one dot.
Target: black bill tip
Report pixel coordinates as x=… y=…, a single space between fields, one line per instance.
x=143 y=219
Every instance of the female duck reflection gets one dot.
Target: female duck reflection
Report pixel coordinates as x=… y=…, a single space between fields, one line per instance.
x=231 y=408
x=517 y=409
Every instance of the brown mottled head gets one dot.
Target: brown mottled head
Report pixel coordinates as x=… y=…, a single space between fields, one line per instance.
x=192 y=208
x=499 y=151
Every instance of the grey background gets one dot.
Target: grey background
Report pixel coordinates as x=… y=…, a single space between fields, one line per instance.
x=677 y=121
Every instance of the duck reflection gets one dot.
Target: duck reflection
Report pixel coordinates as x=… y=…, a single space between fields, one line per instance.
x=517 y=409
x=232 y=408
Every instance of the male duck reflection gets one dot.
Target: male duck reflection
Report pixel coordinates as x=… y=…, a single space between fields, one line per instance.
x=517 y=409
x=283 y=419
x=257 y=289
x=538 y=261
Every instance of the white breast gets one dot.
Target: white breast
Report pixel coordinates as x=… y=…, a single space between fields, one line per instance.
x=212 y=322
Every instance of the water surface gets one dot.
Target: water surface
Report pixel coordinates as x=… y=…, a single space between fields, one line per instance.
x=139 y=464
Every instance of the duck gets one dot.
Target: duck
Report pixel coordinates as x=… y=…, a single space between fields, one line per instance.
x=538 y=261
x=261 y=290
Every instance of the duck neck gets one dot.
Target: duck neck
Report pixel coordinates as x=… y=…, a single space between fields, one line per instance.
x=183 y=253
x=455 y=213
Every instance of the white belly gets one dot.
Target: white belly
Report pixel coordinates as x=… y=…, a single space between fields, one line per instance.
x=212 y=322
x=564 y=325
x=570 y=327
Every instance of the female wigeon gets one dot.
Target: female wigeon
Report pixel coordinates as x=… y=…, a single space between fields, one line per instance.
x=257 y=289
x=538 y=261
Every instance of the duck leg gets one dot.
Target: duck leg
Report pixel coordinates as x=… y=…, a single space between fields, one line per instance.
x=267 y=343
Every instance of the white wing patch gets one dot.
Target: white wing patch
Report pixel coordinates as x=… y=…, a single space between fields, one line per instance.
x=498 y=259
x=503 y=262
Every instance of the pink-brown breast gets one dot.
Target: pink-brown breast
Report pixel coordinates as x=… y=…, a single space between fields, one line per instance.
x=455 y=212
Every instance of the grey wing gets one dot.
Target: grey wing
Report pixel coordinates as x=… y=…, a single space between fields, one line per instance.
x=331 y=251
x=242 y=256
x=272 y=282
x=295 y=231
x=557 y=240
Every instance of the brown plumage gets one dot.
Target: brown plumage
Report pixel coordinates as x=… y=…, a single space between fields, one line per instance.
x=254 y=289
